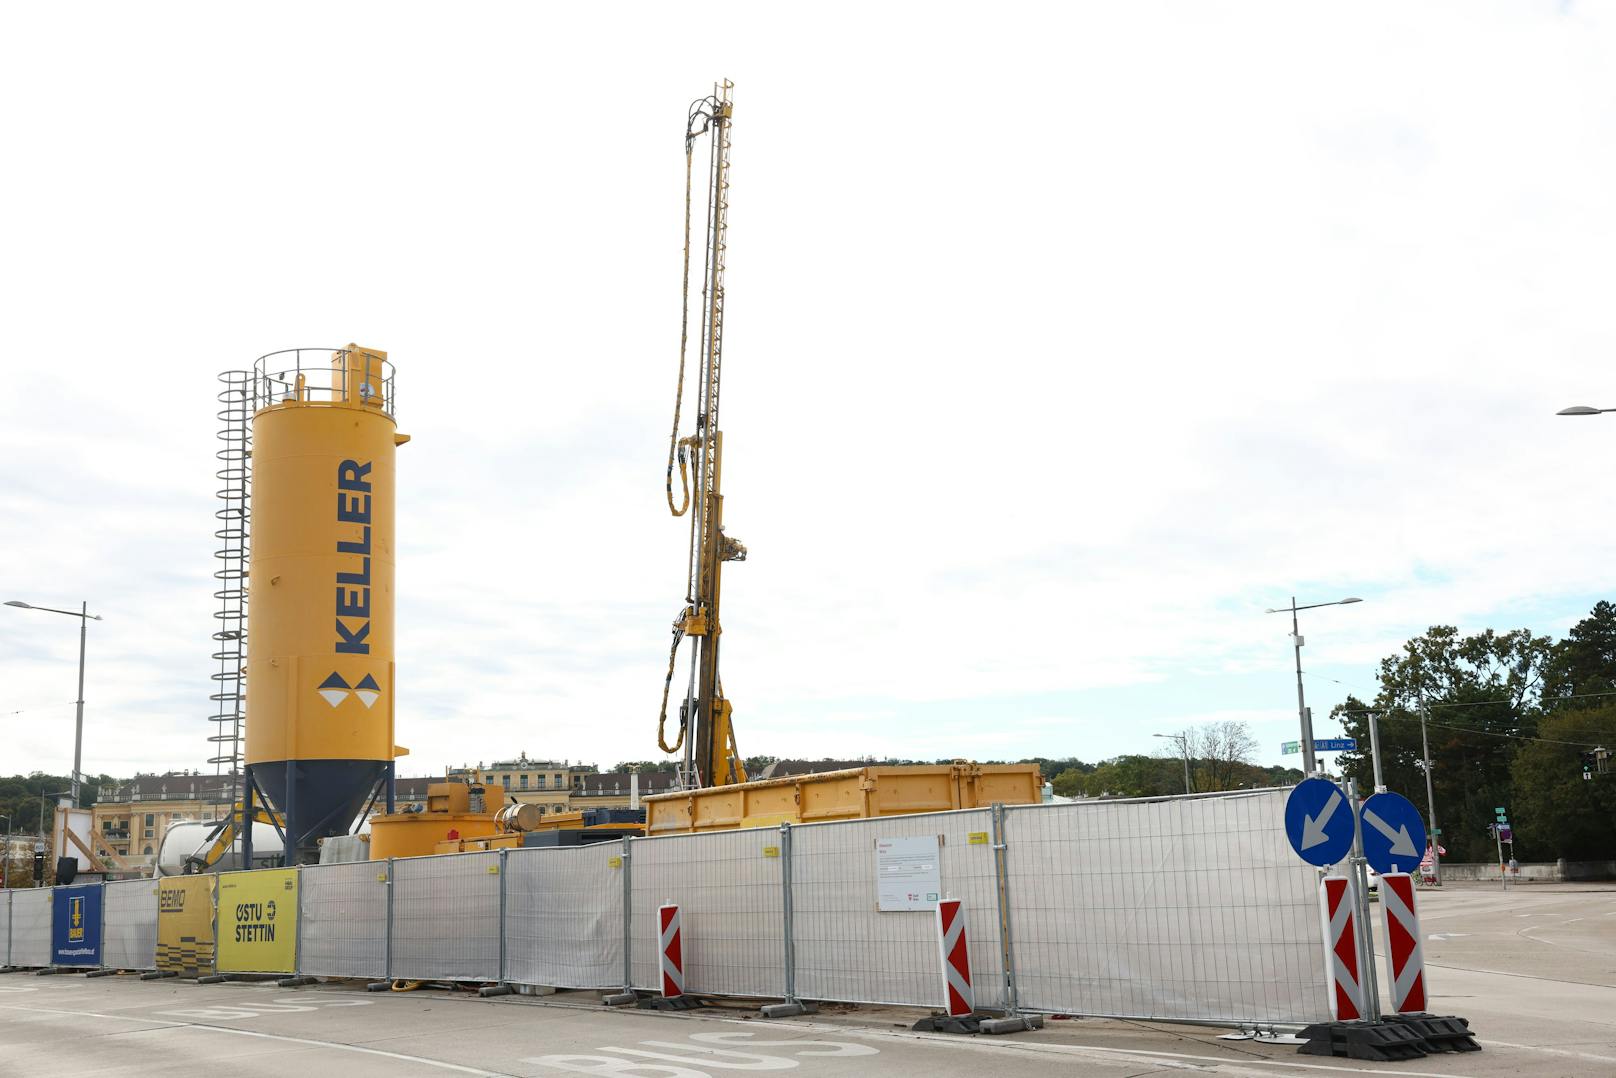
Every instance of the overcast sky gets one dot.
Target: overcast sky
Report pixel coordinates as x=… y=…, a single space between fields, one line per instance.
x=1062 y=341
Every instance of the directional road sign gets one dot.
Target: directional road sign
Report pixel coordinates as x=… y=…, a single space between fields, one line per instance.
x=1393 y=833
x=1320 y=744
x=1318 y=821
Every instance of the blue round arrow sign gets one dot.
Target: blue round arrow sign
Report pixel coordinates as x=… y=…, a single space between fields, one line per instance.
x=1393 y=833
x=1318 y=821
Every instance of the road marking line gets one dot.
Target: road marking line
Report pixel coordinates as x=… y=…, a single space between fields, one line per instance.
x=1553 y=1051
x=163 y=1022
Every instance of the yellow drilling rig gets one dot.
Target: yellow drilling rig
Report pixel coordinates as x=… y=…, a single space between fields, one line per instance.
x=706 y=733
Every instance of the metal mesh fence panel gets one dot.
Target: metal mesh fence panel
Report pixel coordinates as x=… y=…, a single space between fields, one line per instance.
x=564 y=916
x=129 y=931
x=344 y=920
x=446 y=917
x=727 y=886
x=5 y=928
x=31 y=927
x=1190 y=908
x=849 y=950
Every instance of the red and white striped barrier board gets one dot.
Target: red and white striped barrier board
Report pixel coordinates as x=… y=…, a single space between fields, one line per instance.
x=672 y=952
x=1341 y=970
x=1405 y=948
x=957 y=992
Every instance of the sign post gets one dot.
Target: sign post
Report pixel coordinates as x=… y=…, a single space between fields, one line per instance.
x=1500 y=825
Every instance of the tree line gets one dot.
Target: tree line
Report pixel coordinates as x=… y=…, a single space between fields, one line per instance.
x=1509 y=717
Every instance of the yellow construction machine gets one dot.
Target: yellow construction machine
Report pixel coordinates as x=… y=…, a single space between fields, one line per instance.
x=222 y=839
x=706 y=734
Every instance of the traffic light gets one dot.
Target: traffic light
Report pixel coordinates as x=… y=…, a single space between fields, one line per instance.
x=1588 y=762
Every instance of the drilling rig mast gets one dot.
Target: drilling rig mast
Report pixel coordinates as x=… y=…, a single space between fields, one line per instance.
x=705 y=732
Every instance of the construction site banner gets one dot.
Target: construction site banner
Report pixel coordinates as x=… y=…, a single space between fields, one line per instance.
x=185 y=925
x=76 y=926
x=258 y=921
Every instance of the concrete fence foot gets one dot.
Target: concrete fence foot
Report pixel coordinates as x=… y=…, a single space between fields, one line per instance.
x=100 y=973
x=296 y=982
x=379 y=986
x=618 y=999
x=488 y=990
x=789 y=1009
x=157 y=974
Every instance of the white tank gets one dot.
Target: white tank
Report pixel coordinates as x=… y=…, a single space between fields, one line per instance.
x=193 y=839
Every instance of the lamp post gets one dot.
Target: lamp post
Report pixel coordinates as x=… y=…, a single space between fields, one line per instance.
x=5 y=855
x=84 y=617
x=1308 y=763
x=1184 y=746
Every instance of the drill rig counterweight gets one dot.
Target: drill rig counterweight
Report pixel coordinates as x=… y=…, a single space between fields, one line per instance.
x=705 y=733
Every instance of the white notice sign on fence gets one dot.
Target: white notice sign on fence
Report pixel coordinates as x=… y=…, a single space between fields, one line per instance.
x=906 y=874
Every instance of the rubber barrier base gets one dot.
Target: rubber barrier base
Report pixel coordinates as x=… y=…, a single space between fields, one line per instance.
x=788 y=1009
x=977 y=1023
x=671 y=1003
x=1396 y=1037
x=1441 y=1033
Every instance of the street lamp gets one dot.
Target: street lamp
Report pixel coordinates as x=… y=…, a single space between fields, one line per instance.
x=84 y=617
x=1184 y=746
x=1308 y=764
x=5 y=855
x=1583 y=409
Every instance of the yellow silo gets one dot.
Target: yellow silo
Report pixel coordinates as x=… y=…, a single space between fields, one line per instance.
x=320 y=679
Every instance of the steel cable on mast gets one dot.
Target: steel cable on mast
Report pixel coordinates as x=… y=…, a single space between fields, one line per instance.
x=675 y=449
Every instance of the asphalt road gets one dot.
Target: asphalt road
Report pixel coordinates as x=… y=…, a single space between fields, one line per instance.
x=1534 y=969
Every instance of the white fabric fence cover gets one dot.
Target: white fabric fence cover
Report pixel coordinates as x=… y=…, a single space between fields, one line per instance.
x=446 y=917
x=31 y=926
x=1191 y=908
x=5 y=928
x=727 y=887
x=849 y=950
x=342 y=918
x=129 y=932
x=564 y=916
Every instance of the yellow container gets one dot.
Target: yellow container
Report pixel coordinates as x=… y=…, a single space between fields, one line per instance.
x=319 y=719
x=843 y=795
x=413 y=834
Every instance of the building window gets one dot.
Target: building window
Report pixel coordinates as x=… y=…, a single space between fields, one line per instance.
x=148 y=819
x=524 y=782
x=505 y=781
x=148 y=851
x=541 y=781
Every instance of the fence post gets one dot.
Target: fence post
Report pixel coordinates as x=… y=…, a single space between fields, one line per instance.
x=792 y=1004
x=387 y=947
x=1001 y=893
x=103 y=962
x=627 y=994
x=297 y=937
x=504 y=856
x=502 y=988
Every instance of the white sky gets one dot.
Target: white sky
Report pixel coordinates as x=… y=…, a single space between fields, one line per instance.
x=1061 y=342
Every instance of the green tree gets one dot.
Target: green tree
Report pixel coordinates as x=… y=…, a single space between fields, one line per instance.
x=1484 y=698
x=1555 y=811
